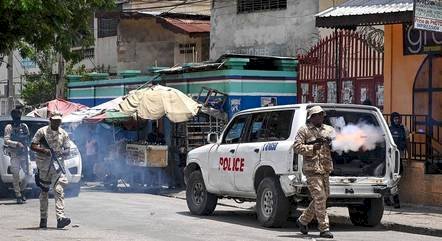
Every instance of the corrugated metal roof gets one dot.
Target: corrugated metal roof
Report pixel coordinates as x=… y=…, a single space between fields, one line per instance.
x=366 y=12
x=189 y=7
x=365 y=7
x=189 y=25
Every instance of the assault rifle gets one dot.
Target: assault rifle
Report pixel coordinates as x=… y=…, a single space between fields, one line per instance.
x=56 y=159
x=321 y=140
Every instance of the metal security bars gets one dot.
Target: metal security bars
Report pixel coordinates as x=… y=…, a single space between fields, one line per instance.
x=248 y=6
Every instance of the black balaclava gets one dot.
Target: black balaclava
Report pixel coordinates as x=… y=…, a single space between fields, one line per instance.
x=16 y=117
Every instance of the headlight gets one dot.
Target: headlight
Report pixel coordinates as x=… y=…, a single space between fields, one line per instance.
x=73 y=153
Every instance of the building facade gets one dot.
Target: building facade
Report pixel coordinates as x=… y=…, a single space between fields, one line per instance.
x=255 y=27
x=412 y=86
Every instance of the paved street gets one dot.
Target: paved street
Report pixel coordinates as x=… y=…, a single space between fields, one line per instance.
x=101 y=215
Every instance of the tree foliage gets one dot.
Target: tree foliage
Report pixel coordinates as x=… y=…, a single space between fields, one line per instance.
x=48 y=24
x=41 y=88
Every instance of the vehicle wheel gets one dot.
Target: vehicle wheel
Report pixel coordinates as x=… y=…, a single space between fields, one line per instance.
x=72 y=190
x=272 y=206
x=369 y=214
x=4 y=190
x=199 y=201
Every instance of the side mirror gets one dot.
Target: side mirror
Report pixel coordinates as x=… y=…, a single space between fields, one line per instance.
x=212 y=137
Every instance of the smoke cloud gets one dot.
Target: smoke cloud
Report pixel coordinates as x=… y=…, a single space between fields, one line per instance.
x=355 y=137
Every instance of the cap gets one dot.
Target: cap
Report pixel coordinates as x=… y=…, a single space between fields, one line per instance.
x=56 y=115
x=314 y=110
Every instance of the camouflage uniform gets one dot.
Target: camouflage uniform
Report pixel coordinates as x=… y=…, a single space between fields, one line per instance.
x=59 y=142
x=19 y=156
x=317 y=167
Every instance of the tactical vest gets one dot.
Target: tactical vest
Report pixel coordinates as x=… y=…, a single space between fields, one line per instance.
x=20 y=134
x=398 y=133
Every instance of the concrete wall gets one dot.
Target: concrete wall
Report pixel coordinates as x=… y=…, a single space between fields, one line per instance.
x=105 y=53
x=143 y=42
x=279 y=32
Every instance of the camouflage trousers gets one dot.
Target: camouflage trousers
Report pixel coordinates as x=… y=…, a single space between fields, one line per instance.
x=17 y=163
x=58 y=182
x=319 y=188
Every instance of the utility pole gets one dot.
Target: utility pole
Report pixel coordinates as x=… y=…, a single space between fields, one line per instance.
x=10 y=87
x=59 y=89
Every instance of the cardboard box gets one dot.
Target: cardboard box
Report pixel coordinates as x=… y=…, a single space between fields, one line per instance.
x=147 y=155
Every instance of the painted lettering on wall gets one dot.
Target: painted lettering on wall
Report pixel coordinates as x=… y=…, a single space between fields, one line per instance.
x=231 y=164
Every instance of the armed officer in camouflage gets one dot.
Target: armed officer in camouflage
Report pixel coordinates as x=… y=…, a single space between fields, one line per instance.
x=313 y=143
x=17 y=140
x=51 y=140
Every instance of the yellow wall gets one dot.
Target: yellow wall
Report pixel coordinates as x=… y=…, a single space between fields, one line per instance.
x=399 y=73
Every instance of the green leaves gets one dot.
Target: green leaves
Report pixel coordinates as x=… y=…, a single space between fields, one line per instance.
x=49 y=24
x=38 y=89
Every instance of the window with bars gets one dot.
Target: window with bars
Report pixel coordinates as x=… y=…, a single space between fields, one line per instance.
x=107 y=27
x=248 y=6
x=87 y=53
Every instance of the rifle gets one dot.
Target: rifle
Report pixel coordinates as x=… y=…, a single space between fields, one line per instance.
x=321 y=140
x=56 y=160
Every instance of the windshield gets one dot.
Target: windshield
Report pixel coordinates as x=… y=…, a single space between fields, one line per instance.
x=359 y=144
x=32 y=125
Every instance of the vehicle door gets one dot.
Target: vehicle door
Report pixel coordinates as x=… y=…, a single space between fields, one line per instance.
x=221 y=156
x=393 y=156
x=248 y=154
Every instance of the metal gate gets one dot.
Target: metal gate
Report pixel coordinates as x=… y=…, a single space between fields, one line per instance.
x=342 y=68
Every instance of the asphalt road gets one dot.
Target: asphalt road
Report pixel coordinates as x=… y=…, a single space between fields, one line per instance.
x=99 y=215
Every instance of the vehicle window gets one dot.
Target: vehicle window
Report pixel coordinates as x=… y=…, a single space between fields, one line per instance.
x=235 y=130
x=258 y=130
x=338 y=119
x=279 y=125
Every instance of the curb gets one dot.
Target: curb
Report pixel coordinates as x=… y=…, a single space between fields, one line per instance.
x=338 y=219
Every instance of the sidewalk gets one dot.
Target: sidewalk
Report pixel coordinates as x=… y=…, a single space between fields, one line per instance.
x=409 y=218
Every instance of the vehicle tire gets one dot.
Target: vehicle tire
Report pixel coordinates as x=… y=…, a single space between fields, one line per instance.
x=369 y=214
x=199 y=201
x=272 y=206
x=72 y=190
x=4 y=190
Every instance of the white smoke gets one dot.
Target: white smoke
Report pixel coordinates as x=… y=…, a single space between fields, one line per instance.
x=357 y=137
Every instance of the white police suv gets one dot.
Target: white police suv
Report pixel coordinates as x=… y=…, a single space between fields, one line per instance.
x=253 y=160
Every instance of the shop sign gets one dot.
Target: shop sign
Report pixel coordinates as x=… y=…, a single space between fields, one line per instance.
x=421 y=42
x=428 y=15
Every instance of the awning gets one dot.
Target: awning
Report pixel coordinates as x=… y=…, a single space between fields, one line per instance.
x=60 y=105
x=366 y=12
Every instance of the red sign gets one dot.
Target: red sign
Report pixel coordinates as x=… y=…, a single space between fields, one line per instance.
x=234 y=164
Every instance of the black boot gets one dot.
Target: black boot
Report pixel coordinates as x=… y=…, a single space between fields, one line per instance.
x=43 y=223
x=23 y=197
x=326 y=234
x=387 y=201
x=397 y=202
x=20 y=200
x=63 y=222
x=302 y=228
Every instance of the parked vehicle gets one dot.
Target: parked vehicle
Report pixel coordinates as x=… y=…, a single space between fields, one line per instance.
x=253 y=160
x=72 y=163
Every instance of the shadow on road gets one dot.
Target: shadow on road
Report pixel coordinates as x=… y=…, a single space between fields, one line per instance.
x=42 y=229
x=248 y=219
